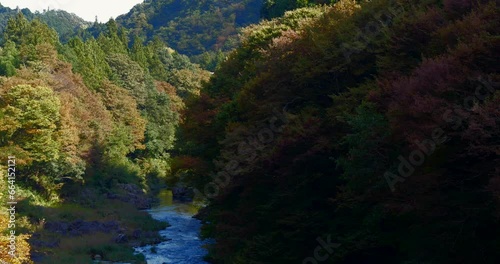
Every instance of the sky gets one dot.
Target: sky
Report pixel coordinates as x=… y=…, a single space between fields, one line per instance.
x=87 y=9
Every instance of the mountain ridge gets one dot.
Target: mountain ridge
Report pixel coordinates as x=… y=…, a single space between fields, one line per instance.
x=201 y=30
x=65 y=23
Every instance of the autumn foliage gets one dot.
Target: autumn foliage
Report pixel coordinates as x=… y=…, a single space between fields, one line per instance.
x=85 y=115
x=362 y=85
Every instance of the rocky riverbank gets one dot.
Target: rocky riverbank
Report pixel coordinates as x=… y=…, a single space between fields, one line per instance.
x=94 y=226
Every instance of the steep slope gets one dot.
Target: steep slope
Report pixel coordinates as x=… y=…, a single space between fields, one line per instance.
x=357 y=134
x=64 y=23
x=6 y=13
x=91 y=124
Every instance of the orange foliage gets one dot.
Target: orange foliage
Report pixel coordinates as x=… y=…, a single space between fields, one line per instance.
x=163 y=87
x=124 y=110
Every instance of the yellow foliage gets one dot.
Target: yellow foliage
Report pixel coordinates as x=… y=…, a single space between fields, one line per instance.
x=22 y=246
x=347 y=7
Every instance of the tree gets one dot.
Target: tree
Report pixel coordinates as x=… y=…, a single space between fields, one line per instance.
x=89 y=60
x=129 y=125
x=9 y=59
x=30 y=119
x=138 y=52
x=276 y=8
x=27 y=35
x=128 y=74
x=114 y=39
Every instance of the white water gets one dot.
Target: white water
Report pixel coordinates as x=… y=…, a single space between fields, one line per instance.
x=185 y=245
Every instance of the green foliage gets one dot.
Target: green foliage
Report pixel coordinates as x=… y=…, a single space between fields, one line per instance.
x=64 y=23
x=113 y=39
x=30 y=127
x=22 y=32
x=369 y=135
x=192 y=27
x=128 y=74
x=160 y=132
x=88 y=114
x=138 y=52
x=30 y=119
x=276 y=8
x=209 y=60
x=9 y=59
x=89 y=60
x=128 y=133
x=105 y=125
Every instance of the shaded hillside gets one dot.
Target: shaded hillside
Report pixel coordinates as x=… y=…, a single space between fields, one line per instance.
x=367 y=132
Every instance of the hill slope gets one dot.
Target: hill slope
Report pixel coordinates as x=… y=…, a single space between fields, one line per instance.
x=192 y=27
x=64 y=23
x=369 y=130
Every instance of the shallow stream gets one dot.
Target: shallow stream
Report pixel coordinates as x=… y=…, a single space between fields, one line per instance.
x=184 y=245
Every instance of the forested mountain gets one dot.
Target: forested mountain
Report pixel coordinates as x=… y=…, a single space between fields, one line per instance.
x=365 y=132
x=192 y=27
x=64 y=23
x=203 y=30
x=85 y=120
x=351 y=132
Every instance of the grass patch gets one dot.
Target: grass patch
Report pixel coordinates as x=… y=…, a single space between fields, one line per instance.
x=82 y=248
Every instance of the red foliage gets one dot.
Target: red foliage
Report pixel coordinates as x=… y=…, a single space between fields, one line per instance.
x=198 y=115
x=416 y=104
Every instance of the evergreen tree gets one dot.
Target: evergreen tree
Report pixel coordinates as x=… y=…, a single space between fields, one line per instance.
x=9 y=59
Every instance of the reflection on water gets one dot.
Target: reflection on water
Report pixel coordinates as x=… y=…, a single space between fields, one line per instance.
x=185 y=246
x=167 y=199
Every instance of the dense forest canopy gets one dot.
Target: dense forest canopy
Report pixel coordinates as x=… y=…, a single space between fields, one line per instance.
x=94 y=112
x=192 y=27
x=329 y=132
x=203 y=30
x=369 y=125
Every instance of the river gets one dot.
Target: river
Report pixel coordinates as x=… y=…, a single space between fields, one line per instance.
x=184 y=245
